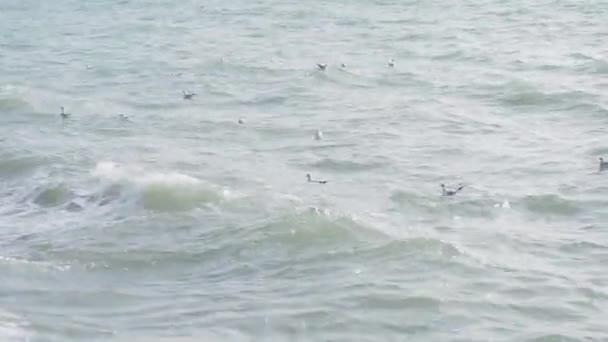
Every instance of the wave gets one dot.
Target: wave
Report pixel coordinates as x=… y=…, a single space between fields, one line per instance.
x=345 y=165
x=587 y=107
x=344 y=77
x=419 y=247
x=530 y=97
x=550 y=204
x=520 y=93
x=60 y=195
x=207 y=337
x=42 y=266
x=324 y=231
x=13 y=328
x=264 y=100
x=51 y=195
x=161 y=191
x=584 y=247
x=591 y=64
x=12 y=165
x=314 y=226
x=554 y=338
x=430 y=208
x=125 y=186
x=13 y=104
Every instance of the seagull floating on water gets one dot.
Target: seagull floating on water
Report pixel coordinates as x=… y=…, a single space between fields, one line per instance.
x=188 y=96
x=445 y=192
x=123 y=116
x=391 y=62
x=603 y=164
x=318 y=135
x=343 y=65
x=310 y=180
x=63 y=114
x=322 y=66
x=241 y=121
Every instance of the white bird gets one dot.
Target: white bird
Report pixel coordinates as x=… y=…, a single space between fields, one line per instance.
x=445 y=192
x=391 y=62
x=310 y=180
x=188 y=96
x=63 y=114
x=318 y=135
x=123 y=116
x=322 y=66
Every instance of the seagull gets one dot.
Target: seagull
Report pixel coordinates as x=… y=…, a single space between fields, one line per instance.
x=241 y=121
x=123 y=116
x=310 y=180
x=603 y=164
x=318 y=135
x=63 y=114
x=322 y=66
x=391 y=62
x=188 y=96
x=343 y=65
x=445 y=192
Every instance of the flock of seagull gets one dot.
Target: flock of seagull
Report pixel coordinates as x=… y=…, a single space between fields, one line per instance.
x=323 y=66
x=319 y=135
x=187 y=95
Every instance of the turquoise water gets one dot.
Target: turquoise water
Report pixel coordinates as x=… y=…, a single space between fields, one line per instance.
x=181 y=224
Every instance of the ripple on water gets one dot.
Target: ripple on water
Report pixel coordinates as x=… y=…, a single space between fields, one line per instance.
x=345 y=166
x=550 y=204
x=13 y=166
x=13 y=328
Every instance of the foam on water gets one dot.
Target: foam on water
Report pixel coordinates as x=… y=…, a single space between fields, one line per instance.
x=116 y=172
x=161 y=191
x=13 y=328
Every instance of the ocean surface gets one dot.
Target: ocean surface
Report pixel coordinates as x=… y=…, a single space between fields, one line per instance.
x=181 y=223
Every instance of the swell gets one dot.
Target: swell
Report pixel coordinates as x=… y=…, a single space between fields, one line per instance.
x=160 y=191
x=13 y=328
x=429 y=208
x=550 y=205
x=14 y=165
x=534 y=97
x=119 y=188
x=539 y=206
x=343 y=165
x=13 y=104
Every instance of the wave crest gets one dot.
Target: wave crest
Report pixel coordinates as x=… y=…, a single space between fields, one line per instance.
x=160 y=191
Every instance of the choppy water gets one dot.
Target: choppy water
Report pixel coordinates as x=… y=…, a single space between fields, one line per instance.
x=183 y=225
